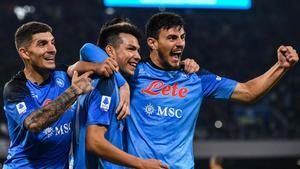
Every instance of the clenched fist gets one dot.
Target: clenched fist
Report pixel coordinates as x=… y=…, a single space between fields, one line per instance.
x=287 y=56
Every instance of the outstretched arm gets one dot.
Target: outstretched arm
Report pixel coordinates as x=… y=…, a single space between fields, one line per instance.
x=257 y=87
x=45 y=116
x=97 y=144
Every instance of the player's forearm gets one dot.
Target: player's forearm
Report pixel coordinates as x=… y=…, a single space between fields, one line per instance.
x=254 y=89
x=43 y=117
x=97 y=144
x=111 y=153
x=82 y=67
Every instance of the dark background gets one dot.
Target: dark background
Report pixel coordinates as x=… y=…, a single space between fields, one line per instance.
x=240 y=44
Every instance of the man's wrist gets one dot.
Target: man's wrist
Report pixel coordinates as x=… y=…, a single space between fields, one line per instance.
x=74 y=90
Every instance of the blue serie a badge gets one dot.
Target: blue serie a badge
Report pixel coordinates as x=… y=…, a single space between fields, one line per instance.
x=105 y=103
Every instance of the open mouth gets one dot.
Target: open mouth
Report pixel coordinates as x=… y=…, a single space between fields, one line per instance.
x=133 y=64
x=176 y=54
x=50 y=59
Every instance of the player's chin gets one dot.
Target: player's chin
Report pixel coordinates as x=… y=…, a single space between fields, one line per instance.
x=175 y=65
x=130 y=72
x=50 y=66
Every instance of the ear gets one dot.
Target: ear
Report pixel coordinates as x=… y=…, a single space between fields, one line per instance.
x=23 y=53
x=152 y=43
x=110 y=50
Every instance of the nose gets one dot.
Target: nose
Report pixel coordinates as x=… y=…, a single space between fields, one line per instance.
x=52 y=49
x=180 y=42
x=137 y=56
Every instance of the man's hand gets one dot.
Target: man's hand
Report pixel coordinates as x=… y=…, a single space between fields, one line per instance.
x=107 y=68
x=287 y=56
x=82 y=83
x=123 y=108
x=153 y=164
x=190 y=66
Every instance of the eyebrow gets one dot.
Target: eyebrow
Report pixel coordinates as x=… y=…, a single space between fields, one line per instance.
x=44 y=40
x=133 y=46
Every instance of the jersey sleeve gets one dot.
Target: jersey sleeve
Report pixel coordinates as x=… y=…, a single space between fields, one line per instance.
x=216 y=87
x=92 y=53
x=18 y=103
x=101 y=103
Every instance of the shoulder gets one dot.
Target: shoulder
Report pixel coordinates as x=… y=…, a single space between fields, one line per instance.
x=106 y=86
x=203 y=72
x=16 y=88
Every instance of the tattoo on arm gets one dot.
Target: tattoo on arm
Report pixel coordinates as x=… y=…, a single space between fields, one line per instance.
x=43 y=117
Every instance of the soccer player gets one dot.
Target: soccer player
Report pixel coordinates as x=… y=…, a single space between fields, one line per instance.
x=99 y=132
x=38 y=99
x=165 y=101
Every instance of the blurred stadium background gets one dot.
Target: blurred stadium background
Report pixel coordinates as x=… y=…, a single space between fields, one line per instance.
x=236 y=43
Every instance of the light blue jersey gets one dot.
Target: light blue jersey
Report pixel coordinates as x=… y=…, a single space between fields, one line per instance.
x=48 y=148
x=97 y=108
x=164 y=109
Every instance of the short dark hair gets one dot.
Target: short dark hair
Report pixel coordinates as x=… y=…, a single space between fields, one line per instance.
x=23 y=35
x=162 y=20
x=110 y=34
x=116 y=20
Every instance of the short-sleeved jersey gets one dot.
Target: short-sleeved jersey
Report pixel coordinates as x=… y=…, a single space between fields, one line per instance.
x=50 y=147
x=97 y=108
x=164 y=109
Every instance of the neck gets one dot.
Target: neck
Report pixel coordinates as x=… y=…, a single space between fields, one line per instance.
x=36 y=75
x=156 y=60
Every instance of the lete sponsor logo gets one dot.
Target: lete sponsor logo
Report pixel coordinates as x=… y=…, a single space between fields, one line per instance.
x=157 y=87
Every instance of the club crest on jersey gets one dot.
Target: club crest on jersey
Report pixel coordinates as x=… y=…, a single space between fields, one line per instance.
x=105 y=103
x=60 y=82
x=21 y=107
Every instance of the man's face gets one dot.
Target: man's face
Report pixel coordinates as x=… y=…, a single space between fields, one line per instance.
x=127 y=53
x=41 y=52
x=170 y=46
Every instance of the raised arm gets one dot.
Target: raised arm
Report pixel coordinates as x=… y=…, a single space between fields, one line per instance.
x=45 y=116
x=253 y=89
x=105 y=69
x=97 y=144
x=92 y=53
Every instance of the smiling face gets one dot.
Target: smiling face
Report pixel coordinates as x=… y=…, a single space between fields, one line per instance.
x=168 y=48
x=40 y=53
x=127 y=53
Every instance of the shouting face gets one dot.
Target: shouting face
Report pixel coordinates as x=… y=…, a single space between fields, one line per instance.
x=168 y=48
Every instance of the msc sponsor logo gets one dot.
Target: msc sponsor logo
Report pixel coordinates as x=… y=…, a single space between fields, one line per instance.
x=58 y=130
x=158 y=87
x=163 y=111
